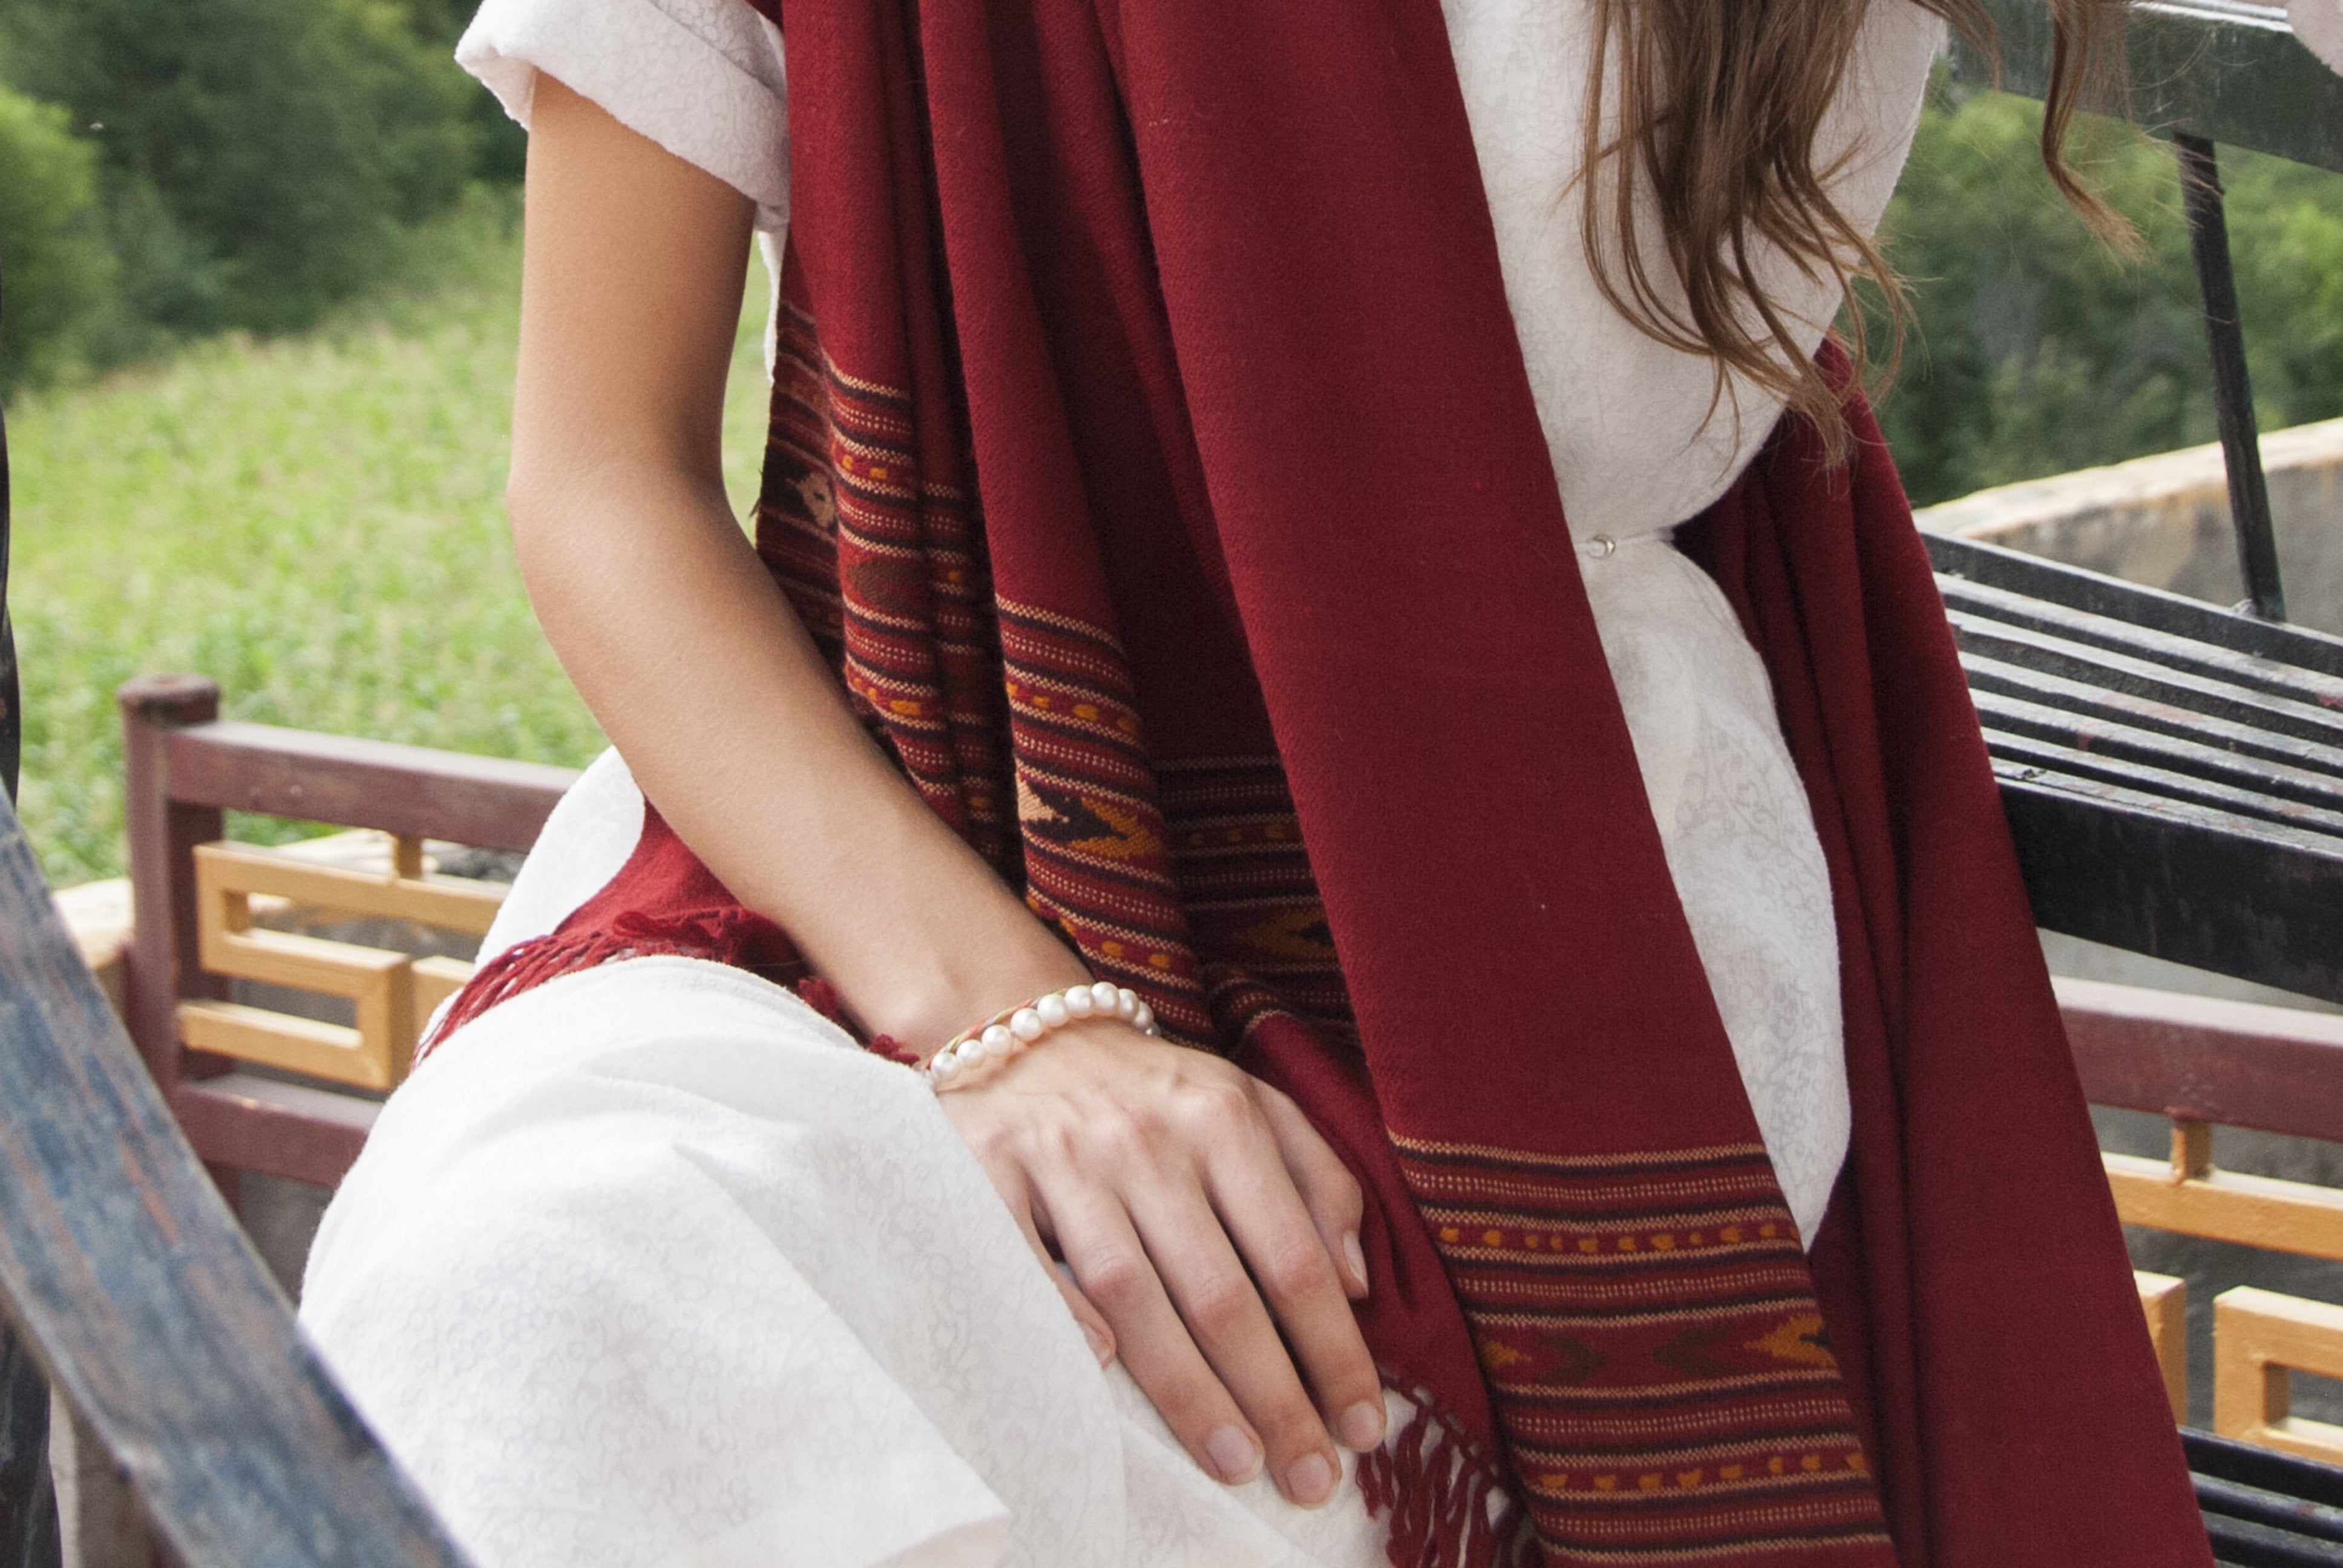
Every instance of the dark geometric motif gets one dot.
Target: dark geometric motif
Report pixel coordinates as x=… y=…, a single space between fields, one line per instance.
x=1655 y=1352
x=1098 y=863
x=1245 y=883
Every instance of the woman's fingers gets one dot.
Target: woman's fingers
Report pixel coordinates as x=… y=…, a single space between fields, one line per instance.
x=1113 y=1268
x=1094 y=1328
x=1251 y=1185
x=1328 y=1189
x=1224 y=1312
x=1017 y=1193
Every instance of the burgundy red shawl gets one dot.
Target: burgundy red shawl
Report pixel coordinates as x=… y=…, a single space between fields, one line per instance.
x=1152 y=450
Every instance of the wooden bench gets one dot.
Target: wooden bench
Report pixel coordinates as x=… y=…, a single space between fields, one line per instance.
x=2203 y=1063
x=2173 y=772
x=257 y=1089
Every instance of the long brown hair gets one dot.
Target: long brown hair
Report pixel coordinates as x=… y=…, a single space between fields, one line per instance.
x=1721 y=105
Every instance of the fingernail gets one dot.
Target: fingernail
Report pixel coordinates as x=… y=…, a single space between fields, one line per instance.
x=1354 y=1255
x=1360 y=1427
x=1233 y=1455
x=1311 y=1481
x=1100 y=1346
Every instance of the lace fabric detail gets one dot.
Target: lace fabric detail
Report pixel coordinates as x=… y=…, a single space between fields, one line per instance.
x=1740 y=846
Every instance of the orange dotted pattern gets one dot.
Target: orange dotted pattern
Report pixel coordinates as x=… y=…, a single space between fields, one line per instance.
x=1746 y=1474
x=1498 y=1239
x=1709 y=1421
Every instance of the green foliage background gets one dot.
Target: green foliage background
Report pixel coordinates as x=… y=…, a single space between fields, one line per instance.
x=59 y=267
x=236 y=163
x=2039 y=349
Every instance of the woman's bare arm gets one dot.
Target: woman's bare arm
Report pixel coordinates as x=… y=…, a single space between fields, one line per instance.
x=1197 y=1210
x=671 y=629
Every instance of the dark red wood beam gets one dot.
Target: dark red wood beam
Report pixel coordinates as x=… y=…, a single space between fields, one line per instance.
x=488 y=802
x=2234 y=1063
x=288 y=1130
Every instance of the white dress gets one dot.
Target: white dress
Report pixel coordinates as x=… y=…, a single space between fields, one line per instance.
x=617 y=1258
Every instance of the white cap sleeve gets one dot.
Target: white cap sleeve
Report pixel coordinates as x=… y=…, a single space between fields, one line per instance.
x=702 y=78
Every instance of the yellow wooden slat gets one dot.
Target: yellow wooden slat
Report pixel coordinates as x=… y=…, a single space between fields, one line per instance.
x=2192 y=1148
x=379 y=984
x=304 y=963
x=2254 y=1210
x=437 y=980
x=2165 y=1300
x=278 y=1040
x=450 y=903
x=2259 y=1337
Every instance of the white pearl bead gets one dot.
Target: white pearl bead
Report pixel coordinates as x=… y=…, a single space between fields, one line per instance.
x=1144 y=1018
x=1026 y=1024
x=1103 y=998
x=945 y=1068
x=997 y=1041
x=1080 y=1003
x=971 y=1053
x=1126 y=1004
x=1052 y=1012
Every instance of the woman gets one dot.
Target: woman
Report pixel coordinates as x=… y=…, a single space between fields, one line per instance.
x=1637 y=1128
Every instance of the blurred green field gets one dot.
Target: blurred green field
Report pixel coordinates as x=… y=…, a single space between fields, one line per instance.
x=316 y=522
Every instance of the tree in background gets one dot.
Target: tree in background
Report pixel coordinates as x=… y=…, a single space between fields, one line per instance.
x=200 y=165
x=257 y=159
x=2040 y=350
x=503 y=146
x=58 y=265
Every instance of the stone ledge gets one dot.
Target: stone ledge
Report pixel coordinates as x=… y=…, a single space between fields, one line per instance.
x=2163 y=520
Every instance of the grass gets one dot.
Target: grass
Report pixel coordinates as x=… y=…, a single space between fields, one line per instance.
x=314 y=522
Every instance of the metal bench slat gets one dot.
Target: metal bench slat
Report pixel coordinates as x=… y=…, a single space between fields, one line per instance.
x=2263 y=705
x=2113 y=739
x=2168 y=767
x=1970 y=573
x=2049 y=758
x=2092 y=704
x=2179 y=736
x=2125 y=644
x=2177 y=880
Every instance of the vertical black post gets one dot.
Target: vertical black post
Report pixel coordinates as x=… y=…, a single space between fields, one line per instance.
x=28 y=1503
x=2233 y=388
x=12 y=717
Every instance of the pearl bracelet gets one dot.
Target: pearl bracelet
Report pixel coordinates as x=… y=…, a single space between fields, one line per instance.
x=1005 y=1033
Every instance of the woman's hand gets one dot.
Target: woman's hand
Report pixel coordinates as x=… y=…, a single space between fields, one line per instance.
x=1203 y=1218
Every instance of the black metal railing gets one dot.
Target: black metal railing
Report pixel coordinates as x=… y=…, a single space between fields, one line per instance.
x=12 y=717
x=2200 y=73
